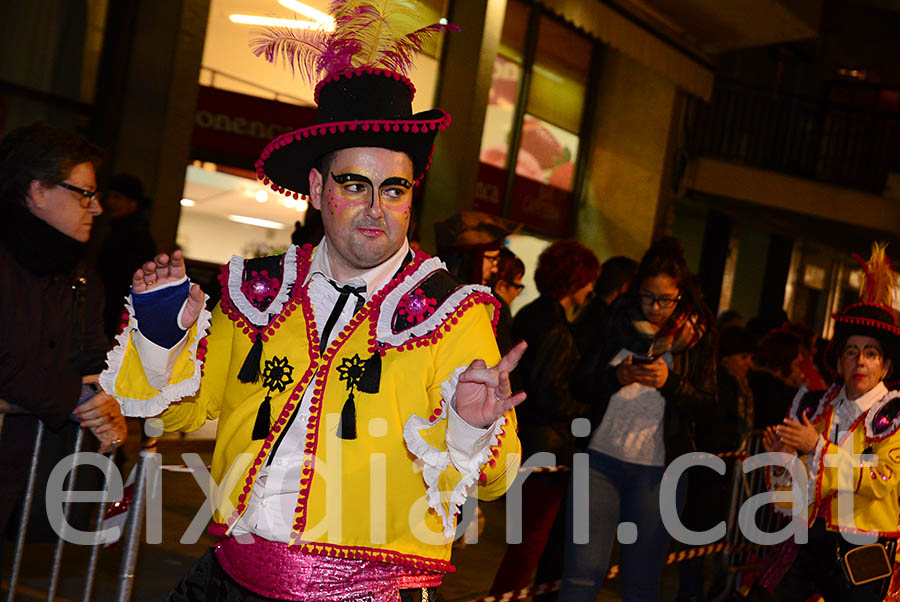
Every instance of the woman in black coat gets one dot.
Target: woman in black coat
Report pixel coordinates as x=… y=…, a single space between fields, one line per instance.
x=564 y=277
x=52 y=346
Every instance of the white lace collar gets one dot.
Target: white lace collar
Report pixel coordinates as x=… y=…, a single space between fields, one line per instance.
x=374 y=279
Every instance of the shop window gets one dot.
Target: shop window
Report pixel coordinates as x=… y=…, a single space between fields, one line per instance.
x=558 y=88
x=500 y=114
x=536 y=104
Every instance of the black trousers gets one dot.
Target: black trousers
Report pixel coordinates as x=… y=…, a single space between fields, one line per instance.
x=817 y=570
x=207 y=581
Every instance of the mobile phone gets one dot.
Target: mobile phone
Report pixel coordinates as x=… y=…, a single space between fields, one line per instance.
x=88 y=390
x=637 y=359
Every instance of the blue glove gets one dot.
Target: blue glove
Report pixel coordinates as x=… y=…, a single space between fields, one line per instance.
x=156 y=312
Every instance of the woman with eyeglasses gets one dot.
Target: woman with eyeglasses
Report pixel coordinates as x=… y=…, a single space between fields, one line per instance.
x=52 y=346
x=506 y=285
x=847 y=441
x=650 y=370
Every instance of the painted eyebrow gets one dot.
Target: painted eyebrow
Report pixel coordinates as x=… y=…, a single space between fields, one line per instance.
x=350 y=177
x=396 y=181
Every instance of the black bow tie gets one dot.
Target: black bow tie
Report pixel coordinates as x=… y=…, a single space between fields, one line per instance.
x=345 y=291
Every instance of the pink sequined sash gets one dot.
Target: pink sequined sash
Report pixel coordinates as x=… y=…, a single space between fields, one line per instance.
x=284 y=572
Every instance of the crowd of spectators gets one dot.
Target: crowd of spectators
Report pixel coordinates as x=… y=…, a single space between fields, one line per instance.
x=642 y=357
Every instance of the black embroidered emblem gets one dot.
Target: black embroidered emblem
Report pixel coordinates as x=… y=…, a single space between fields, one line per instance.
x=360 y=375
x=351 y=370
x=277 y=375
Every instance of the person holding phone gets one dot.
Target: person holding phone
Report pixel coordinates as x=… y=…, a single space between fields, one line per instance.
x=650 y=370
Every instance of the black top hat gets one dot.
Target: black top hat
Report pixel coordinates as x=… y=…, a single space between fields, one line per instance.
x=865 y=319
x=361 y=107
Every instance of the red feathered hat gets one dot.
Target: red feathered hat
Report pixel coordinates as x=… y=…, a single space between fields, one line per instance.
x=874 y=315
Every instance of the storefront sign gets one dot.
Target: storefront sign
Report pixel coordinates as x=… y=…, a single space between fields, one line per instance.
x=538 y=206
x=234 y=128
x=541 y=207
x=489 y=188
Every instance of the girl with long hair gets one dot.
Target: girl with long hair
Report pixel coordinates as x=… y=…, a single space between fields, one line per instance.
x=650 y=370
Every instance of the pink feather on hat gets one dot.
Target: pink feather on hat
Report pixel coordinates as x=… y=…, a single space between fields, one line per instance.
x=367 y=33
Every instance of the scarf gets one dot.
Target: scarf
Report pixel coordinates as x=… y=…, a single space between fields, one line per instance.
x=36 y=245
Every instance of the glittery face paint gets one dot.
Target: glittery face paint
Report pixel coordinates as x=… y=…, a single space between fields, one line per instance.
x=335 y=200
x=405 y=200
x=366 y=199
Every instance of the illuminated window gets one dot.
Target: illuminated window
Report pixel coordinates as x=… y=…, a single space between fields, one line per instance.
x=537 y=102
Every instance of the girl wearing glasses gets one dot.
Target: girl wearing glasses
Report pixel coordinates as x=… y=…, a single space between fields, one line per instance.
x=651 y=368
x=847 y=439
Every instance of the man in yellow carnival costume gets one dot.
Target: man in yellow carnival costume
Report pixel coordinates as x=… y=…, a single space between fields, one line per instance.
x=848 y=439
x=358 y=387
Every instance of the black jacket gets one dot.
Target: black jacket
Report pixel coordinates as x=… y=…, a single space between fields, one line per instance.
x=44 y=348
x=689 y=390
x=772 y=397
x=545 y=372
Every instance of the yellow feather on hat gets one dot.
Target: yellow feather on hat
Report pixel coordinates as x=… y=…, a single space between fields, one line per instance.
x=879 y=278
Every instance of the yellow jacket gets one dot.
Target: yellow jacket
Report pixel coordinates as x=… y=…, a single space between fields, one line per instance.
x=392 y=493
x=873 y=486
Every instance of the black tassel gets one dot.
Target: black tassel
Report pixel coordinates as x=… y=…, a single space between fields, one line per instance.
x=250 y=369
x=347 y=425
x=261 y=428
x=370 y=381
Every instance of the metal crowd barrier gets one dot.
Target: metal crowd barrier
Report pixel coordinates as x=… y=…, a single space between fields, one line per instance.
x=129 y=543
x=740 y=555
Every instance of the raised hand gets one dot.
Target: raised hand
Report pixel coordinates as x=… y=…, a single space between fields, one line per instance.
x=163 y=270
x=484 y=394
x=773 y=443
x=800 y=436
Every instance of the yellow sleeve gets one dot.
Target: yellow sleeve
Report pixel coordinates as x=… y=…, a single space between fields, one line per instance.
x=192 y=412
x=189 y=390
x=495 y=462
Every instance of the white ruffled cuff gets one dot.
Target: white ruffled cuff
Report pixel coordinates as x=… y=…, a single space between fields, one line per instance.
x=815 y=458
x=812 y=467
x=158 y=370
x=468 y=448
x=468 y=445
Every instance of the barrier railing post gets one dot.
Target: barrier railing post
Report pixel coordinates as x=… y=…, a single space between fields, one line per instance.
x=95 y=550
x=133 y=531
x=26 y=512
x=64 y=527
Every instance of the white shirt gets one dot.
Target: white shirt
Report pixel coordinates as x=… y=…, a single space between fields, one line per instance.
x=632 y=426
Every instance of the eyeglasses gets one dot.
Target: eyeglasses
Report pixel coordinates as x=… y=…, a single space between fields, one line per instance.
x=87 y=196
x=869 y=353
x=663 y=301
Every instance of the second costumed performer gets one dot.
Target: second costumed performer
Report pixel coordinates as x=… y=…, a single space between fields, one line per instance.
x=358 y=386
x=847 y=440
